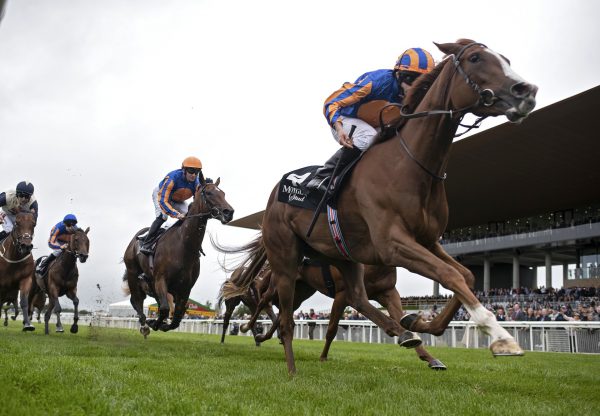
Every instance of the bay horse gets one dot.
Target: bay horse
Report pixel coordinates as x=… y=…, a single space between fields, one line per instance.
x=250 y=298
x=175 y=266
x=10 y=298
x=16 y=263
x=61 y=279
x=380 y=285
x=393 y=208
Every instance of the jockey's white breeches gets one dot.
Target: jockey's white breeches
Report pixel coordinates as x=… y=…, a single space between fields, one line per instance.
x=179 y=206
x=363 y=133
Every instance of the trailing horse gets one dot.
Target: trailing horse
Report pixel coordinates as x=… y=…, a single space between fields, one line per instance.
x=175 y=266
x=393 y=208
x=61 y=279
x=380 y=284
x=16 y=263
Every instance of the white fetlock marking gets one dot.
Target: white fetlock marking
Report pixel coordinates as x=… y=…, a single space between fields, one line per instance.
x=486 y=321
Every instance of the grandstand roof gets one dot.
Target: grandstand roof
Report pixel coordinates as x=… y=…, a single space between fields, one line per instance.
x=548 y=163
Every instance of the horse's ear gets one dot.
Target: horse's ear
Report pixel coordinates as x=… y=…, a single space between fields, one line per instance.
x=218 y=181
x=448 y=48
x=87 y=230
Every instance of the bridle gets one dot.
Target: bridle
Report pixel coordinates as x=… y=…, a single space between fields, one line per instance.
x=485 y=97
x=16 y=241
x=75 y=252
x=213 y=211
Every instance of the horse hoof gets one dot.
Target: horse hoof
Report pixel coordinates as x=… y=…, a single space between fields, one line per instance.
x=145 y=331
x=506 y=347
x=74 y=329
x=165 y=327
x=437 y=365
x=409 y=340
x=408 y=320
x=60 y=329
x=244 y=328
x=28 y=328
x=5 y=323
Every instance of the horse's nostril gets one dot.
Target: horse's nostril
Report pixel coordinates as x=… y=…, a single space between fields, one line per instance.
x=522 y=89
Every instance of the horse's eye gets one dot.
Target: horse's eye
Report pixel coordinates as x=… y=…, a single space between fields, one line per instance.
x=474 y=58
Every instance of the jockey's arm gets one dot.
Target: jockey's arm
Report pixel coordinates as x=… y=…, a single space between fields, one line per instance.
x=2 y=199
x=164 y=198
x=34 y=209
x=346 y=96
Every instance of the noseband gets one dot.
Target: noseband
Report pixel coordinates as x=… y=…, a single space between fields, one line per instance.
x=213 y=211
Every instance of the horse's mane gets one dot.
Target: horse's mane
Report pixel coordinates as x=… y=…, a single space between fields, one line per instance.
x=415 y=95
x=413 y=98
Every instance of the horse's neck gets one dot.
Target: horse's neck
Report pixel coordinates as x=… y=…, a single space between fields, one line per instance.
x=191 y=232
x=429 y=138
x=68 y=260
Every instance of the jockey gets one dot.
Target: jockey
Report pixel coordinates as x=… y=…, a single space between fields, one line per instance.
x=356 y=106
x=13 y=201
x=59 y=240
x=170 y=196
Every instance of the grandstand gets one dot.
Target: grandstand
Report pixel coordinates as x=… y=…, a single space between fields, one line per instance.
x=523 y=197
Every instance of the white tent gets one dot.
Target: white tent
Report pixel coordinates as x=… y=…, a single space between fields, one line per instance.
x=125 y=310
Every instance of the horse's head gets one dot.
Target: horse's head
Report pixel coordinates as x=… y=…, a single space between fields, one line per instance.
x=79 y=244
x=213 y=201
x=490 y=86
x=23 y=232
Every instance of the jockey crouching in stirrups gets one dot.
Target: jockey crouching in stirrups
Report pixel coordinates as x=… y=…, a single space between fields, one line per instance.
x=170 y=196
x=58 y=242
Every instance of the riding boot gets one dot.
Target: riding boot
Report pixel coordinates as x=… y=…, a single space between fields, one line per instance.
x=146 y=247
x=43 y=266
x=3 y=235
x=341 y=159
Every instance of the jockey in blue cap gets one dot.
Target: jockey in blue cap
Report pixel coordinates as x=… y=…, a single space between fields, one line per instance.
x=58 y=241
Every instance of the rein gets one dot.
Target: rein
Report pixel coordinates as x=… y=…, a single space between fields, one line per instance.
x=486 y=97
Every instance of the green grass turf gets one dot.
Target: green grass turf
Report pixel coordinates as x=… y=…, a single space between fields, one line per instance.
x=104 y=371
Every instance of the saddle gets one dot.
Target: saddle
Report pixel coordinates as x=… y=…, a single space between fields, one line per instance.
x=152 y=243
x=292 y=187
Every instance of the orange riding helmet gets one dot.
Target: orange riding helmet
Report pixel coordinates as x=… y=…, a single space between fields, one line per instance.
x=191 y=162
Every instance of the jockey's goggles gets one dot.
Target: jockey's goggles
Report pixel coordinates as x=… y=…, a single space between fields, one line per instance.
x=70 y=223
x=192 y=171
x=23 y=195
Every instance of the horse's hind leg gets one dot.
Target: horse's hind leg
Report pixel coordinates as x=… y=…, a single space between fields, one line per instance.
x=6 y=317
x=337 y=309
x=72 y=294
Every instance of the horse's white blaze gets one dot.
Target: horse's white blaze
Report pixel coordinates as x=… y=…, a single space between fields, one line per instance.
x=486 y=321
x=508 y=71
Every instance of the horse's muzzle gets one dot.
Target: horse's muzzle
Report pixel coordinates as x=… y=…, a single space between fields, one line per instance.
x=82 y=257
x=227 y=216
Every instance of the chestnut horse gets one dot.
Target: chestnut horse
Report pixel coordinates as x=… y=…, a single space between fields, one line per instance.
x=393 y=208
x=380 y=284
x=61 y=279
x=175 y=266
x=16 y=263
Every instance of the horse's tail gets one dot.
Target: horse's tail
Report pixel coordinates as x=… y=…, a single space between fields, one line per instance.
x=246 y=270
x=125 y=285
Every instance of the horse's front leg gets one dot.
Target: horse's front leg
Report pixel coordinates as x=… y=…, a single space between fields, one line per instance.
x=6 y=316
x=25 y=287
x=160 y=288
x=337 y=309
x=180 y=308
x=72 y=294
x=265 y=300
x=52 y=300
x=440 y=267
x=230 y=305
x=356 y=295
x=390 y=299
